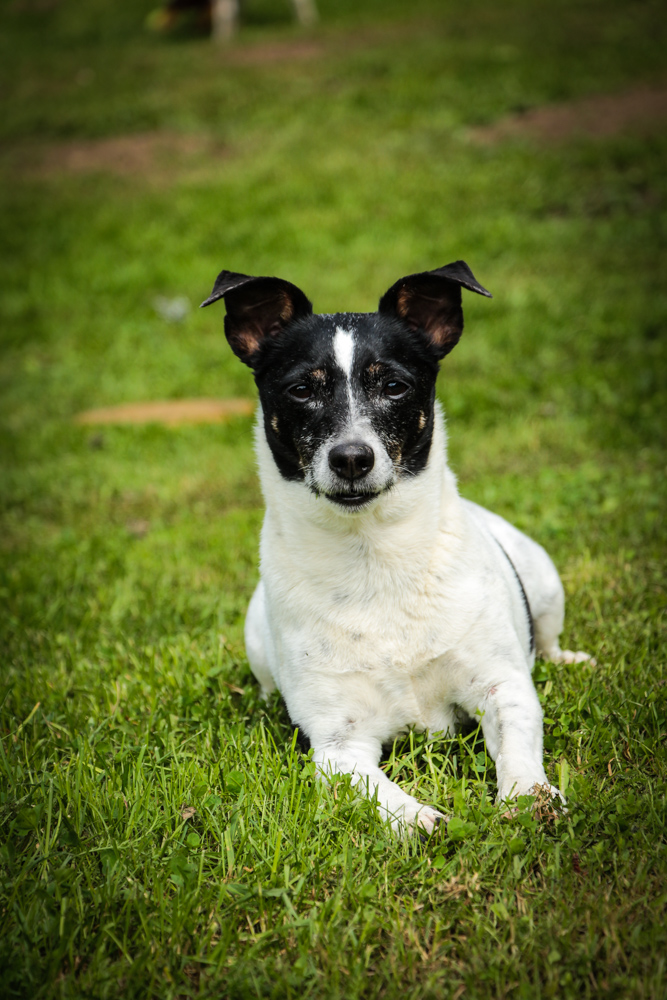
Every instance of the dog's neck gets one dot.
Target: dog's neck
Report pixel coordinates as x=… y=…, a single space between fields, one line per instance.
x=398 y=528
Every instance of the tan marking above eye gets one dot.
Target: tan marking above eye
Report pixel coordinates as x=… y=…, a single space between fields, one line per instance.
x=319 y=375
x=274 y=422
x=375 y=368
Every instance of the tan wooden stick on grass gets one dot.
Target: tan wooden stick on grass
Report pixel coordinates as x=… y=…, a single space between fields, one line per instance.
x=170 y=412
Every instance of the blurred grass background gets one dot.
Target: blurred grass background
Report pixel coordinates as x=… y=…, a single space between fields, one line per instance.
x=339 y=157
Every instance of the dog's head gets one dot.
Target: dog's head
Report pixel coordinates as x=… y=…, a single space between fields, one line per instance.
x=347 y=398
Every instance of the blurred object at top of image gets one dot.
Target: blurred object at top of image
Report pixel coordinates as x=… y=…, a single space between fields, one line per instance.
x=218 y=17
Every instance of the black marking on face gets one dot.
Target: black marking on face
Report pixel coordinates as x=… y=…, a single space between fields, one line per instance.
x=308 y=398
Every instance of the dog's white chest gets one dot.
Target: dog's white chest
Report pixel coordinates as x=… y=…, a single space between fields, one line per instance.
x=367 y=654
x=379 y=632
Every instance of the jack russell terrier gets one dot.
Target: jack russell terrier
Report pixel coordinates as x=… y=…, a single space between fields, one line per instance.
x=386 y=600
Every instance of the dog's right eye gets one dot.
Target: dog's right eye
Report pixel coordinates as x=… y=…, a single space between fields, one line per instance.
x=395 y=389
x=301 y=392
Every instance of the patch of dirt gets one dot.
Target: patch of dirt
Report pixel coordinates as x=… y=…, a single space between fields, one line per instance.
x=642 y=109
x=154 y=154
x=160 y=156
x=170 y=412
x=292 y=50
x=334 y=42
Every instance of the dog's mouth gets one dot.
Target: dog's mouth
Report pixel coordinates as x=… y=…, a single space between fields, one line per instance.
x=352 y=499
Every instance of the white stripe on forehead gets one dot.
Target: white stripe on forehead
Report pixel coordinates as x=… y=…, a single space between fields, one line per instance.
x=343 y=345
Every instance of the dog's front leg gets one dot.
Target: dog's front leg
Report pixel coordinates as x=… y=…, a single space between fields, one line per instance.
x=511 y=718
x=360 y=757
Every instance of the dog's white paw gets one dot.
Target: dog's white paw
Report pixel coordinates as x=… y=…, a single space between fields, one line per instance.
x=428 y=819
x=423 y=819
x=569 y=656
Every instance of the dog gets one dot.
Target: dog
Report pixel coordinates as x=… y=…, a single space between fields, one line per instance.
x=386 y=601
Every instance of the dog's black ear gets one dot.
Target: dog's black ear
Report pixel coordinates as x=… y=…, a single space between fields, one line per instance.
x=257 y=308
x=431 y=301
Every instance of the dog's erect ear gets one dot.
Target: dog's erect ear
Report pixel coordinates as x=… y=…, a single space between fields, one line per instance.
x=257 y=308
x=431 y=301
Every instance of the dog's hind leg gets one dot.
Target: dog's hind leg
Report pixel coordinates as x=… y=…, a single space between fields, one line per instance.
x=540 y=580
x=256 y=639
x=549 y=625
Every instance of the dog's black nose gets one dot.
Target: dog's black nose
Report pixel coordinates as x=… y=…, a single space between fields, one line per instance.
x=352 y=459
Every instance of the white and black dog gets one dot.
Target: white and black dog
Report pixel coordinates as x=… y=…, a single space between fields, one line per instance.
x=386 y=600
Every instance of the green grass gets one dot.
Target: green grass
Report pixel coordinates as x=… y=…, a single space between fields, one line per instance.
x=126 y=698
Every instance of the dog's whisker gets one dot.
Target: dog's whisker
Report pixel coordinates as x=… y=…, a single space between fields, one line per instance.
x=403 y=470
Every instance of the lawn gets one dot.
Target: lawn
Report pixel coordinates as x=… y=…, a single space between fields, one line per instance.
x=162 y=835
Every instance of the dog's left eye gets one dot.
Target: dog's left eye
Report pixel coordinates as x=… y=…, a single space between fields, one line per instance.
x=301 y=391
x=395 y=390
